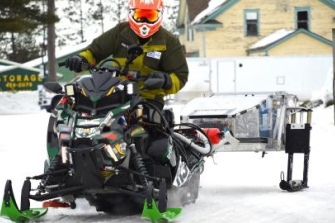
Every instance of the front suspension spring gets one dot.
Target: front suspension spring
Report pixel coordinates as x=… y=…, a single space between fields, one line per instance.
x=140 y=166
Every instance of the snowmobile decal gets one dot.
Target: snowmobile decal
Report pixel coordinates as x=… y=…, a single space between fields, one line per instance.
x=182 y=175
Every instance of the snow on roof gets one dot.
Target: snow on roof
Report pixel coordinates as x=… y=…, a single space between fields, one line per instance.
x=213 y=5
x=59 y=53
x=2 y=67
x=11 y=65
x=7 y=68
x=8 y=63
x=279 y=34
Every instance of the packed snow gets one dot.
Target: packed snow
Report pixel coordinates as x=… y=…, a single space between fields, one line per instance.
x=239 y=187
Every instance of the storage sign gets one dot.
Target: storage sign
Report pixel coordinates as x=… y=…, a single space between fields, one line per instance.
x=19 y=79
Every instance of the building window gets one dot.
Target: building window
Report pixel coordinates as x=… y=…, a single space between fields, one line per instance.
x=251 y=22
x=302 y=18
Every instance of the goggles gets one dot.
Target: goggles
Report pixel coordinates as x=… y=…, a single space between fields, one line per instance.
x=143 y=15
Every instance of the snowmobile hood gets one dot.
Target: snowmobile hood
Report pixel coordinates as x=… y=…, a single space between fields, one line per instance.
x=98 y=84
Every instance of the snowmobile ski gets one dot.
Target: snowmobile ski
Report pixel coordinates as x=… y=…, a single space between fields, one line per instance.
x=151 y=212
x=10 y=210
x=161 y=213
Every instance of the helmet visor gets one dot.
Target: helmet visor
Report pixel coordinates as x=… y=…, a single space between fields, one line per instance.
x=142 y=15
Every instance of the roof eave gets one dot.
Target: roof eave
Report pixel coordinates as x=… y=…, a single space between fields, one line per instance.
x=287 y=37
x=207 y=26
x=223 y=8
x=329 y=3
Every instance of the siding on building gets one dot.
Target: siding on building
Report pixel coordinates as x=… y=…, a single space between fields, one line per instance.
x=301 y=45
x=230 y=39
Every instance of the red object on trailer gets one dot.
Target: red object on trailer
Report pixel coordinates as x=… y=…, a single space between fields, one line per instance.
x=214 y=134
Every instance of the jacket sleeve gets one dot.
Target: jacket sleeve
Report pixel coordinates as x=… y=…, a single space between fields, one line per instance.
x=101 y=47
x=174 y=62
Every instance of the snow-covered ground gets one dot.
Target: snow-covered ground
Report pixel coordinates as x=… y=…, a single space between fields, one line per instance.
x=242 y=187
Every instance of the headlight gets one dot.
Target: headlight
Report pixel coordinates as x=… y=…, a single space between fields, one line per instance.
x=70 y=90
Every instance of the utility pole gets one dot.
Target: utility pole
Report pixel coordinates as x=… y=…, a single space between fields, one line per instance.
x=51 y=42
x=43 y=45
x=334 y=73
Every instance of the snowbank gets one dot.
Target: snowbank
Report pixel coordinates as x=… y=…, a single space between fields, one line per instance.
x=21 y=102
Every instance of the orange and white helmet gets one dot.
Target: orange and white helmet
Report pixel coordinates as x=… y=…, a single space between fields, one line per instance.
x=145 y=16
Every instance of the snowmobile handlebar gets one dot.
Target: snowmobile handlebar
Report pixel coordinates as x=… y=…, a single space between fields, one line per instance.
x=133 y=52
x=86 y=66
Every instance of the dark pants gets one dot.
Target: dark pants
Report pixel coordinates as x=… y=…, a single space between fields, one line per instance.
x=159 y=143
x=152 y=113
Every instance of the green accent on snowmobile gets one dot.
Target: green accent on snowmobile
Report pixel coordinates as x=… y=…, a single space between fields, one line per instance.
x=9 y=209
x=151 y=212
x=52 y=151
x=13 y=214
x=96 y=98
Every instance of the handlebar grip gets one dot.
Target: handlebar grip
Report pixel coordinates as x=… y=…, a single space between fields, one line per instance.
x=61 y=64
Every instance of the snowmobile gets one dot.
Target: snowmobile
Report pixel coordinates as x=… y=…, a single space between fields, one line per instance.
x=100 y=148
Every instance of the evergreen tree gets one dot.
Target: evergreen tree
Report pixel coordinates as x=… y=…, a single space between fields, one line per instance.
x=17 y=16
x=19 y=20
x=26 y=48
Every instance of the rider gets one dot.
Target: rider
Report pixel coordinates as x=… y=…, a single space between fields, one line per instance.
x=163 y=56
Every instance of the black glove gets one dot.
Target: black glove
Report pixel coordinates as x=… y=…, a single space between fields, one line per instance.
x=74 y=63
x=166 y=81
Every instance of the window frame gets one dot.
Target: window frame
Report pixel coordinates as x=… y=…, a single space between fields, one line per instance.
x=246 y=11
x=302 y=9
